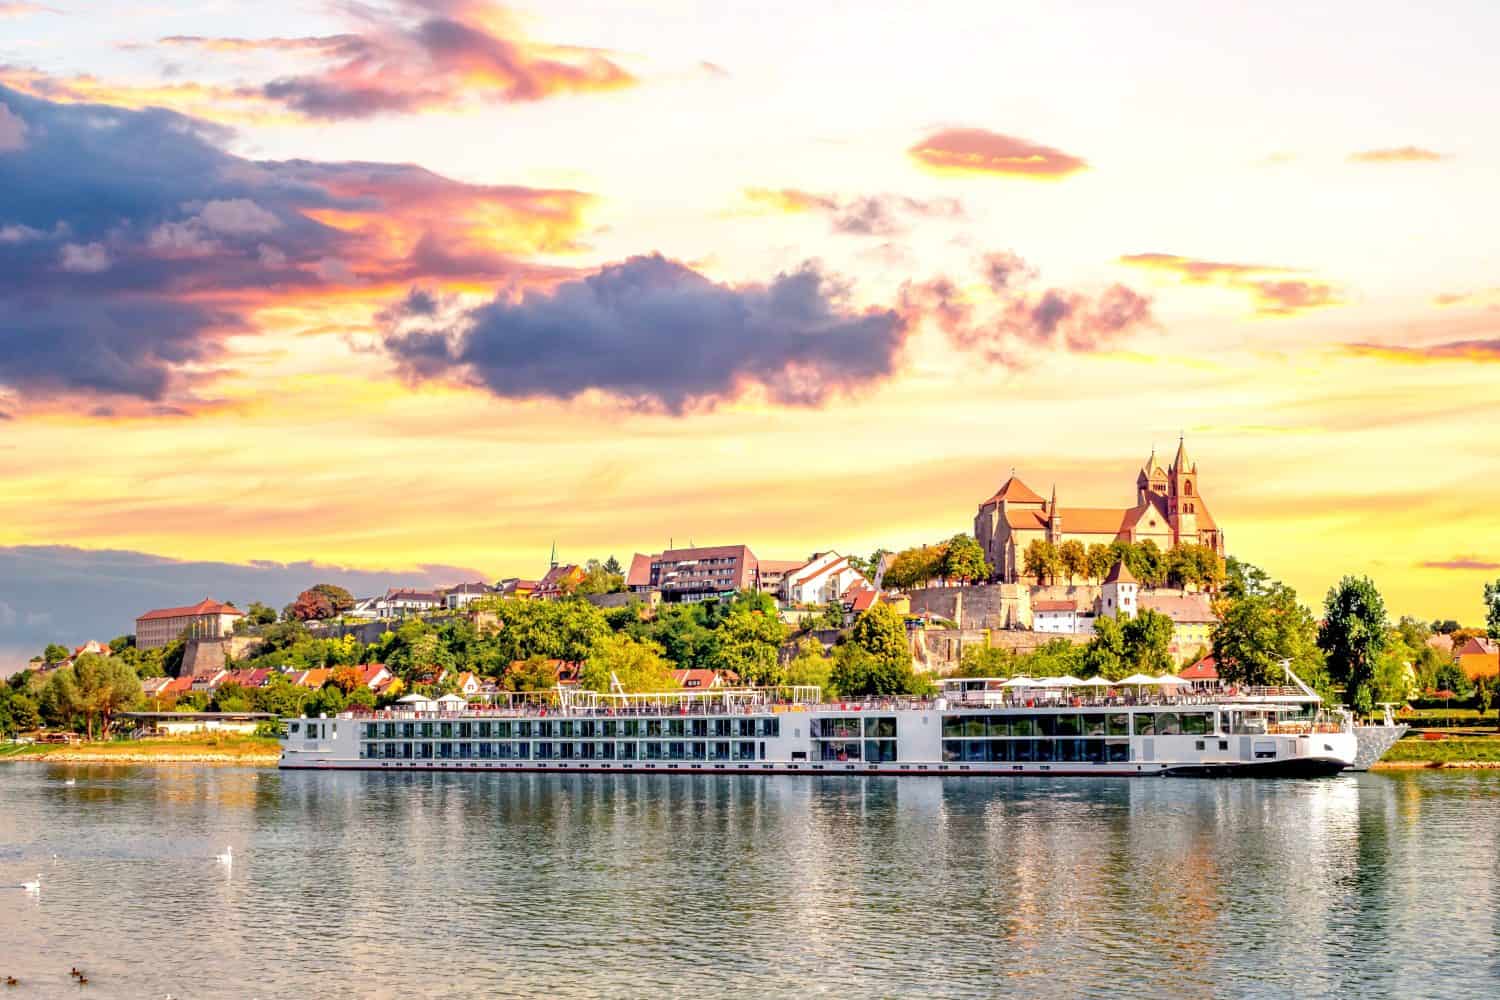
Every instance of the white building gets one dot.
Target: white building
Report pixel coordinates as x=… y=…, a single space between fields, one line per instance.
x=460 y=596
x=1119 y=593
x=399 y=603
x=822 y=579
x=1060 y=618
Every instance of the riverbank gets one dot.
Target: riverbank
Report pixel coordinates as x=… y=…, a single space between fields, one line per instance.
x=1475 y=752
x=244 y=750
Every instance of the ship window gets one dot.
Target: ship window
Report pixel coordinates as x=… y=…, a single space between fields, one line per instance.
x=294 y=727
x=676 y=727
x=1023 y=725
x=1068 y=725
x=1168 y=724
x=1093 y=724
x=883 y=727
x=953 y=725
x=974 y=725
x=998 y=725
x=1197 y=723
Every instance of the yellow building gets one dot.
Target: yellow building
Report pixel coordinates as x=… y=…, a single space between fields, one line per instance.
x=1169 y=510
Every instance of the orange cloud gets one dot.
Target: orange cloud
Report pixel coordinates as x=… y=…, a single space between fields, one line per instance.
x=1397 y=154
x=978 y=151
x=1271 y=293
x=1488 y=297
x=1460 y=563
x=417 y=55
x=1454 y=350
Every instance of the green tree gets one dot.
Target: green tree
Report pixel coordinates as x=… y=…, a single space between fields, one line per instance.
x=54 y=654
x=338 y=597
x=260 y=614
x=1492 y=609
x=748 y=644
x=1100 y=561
x=876 y=659
x=831 y=617
x=963 y=560
x=599 y=579
x=1105 y=654
x=1041 y=561
x=535 y=673
x=60 y=704
x=612 y=565
x=1073 y=558
x=869 y=566
x=987 y=661
x=105 y=685
x=1352 y=637
x=18 y=712
x=639 y=666
x=1261 y=623
x=1148 y=641
x=810 y=668
x=915 y=567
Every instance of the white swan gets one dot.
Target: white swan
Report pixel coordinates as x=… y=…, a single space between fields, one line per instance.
x=33 y=886
x=227 y=858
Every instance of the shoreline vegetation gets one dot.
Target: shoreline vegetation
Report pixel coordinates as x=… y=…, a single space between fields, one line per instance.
x=1410 y=753
x=194 y=749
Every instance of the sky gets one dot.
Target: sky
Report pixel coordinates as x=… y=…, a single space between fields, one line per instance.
x=419 y=288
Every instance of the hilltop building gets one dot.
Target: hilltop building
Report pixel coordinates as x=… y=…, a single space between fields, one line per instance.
x=208 y=619
x=695 y=574
x=1169 y=510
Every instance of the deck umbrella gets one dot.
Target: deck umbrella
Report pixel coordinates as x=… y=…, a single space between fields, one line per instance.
x=1020 y=682
x=1097 y=682
x=1140 y=680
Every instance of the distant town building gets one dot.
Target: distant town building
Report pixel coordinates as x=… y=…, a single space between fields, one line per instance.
x=208 y=619
x=1479 y=657
x=771 y=573
x=695 y=574
x=461 y=595
x=1060 y=617
x=559 y=581
x=1169 y=510
x=823 y=579
x=1193 y=621
x=401 y=603
x=1203 y=674
x=516 y=587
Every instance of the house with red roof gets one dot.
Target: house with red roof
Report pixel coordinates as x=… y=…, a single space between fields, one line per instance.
x=694 y=574
x=559 y=581
x=822 y=579
x=1203 y=674
x=208 y=619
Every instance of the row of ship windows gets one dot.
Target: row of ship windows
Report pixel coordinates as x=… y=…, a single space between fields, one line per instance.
x=1082 y=724
x=669 y=750
x=1080 y=751
x=587 y=729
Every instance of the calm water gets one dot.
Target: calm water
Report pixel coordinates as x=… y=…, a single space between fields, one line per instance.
x=403 y=885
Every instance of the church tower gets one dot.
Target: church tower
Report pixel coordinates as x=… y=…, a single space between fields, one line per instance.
x=1153 y=479
x=1182 y=501
x=1054 y=520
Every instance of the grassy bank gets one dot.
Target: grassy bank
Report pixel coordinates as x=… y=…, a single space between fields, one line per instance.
x=1413 y=751
x=199 y=749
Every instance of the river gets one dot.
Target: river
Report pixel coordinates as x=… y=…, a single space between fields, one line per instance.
x=363 y=884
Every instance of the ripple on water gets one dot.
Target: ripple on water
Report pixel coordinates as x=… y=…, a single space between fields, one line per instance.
x=382 y=885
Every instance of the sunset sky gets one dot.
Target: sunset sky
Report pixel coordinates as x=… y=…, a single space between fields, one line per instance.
x=421 y=286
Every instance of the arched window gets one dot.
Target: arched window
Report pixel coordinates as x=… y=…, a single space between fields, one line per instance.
x=1187 y=487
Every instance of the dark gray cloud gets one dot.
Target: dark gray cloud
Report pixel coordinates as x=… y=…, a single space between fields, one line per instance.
x=657 y=334
x=865 y=215
x=58 y=593
x=132 y=245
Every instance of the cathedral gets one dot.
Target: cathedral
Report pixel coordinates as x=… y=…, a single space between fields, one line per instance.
x=1168 y=509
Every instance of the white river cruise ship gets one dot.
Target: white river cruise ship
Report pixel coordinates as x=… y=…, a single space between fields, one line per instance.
x=977 y=726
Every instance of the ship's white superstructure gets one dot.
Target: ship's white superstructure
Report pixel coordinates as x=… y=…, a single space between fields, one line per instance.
x=977 y=726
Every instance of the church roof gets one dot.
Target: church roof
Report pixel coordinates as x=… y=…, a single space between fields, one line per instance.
x=1075 y=520
x=1016 y=492
x=1119 y=574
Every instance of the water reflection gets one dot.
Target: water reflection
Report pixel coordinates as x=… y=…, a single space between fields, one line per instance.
x=373 y=885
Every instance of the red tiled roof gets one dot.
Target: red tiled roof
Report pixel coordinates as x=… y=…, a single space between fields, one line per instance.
x=1015 y=491
x=1476 y=644
x=1206 y=669
x=864 y=600
x=640 y=571
x=708 y=552
x=695 y=678
x=1119 y=574
x=1054 y=605
x=203 y=607
x=178 y=685
x=1188 y=609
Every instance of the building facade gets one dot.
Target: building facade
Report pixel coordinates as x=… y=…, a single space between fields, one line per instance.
x=695 y=574
x=208 y=619
x=1169 y=510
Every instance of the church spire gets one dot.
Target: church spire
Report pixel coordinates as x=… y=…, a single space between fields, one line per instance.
x=1182 y=463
